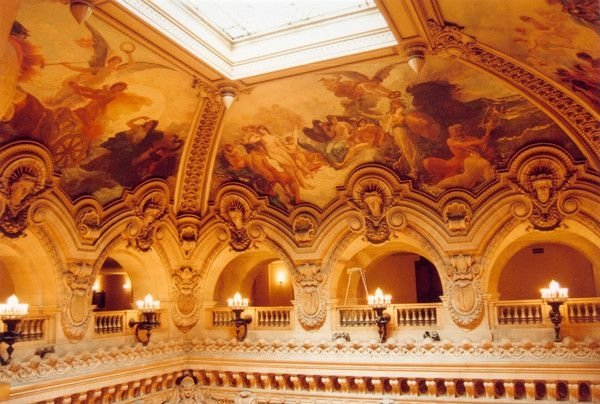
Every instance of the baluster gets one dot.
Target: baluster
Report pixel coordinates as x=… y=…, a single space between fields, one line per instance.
x=419 y=316
x=594 y=313
x=587 y=313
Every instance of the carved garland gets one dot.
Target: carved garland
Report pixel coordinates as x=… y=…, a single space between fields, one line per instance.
x=447 y=38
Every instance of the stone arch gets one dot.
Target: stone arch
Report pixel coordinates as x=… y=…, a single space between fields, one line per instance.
x=27 y=264
x=573 y=234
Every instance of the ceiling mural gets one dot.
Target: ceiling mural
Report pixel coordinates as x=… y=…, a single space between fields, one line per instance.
x=561 y=38
x=296 y=140
x=111 y=112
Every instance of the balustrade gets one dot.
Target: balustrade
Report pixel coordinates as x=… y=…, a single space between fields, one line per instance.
x=110 y=322
x=273 y=317
x=532 y=312
x=406 y=315
x=583 y=310
x=32 y=328
x=519 y=312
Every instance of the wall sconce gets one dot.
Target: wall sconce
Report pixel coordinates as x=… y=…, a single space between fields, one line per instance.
x=238 y=305
x=379 y=303
x=555 y=296
x=280 y=277
x=228 y=94
x=81 y=10
x=148 y=309
x=11 y=314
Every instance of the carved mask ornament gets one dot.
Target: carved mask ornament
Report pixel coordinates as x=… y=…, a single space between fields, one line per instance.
x=142 y=231
x=543 y=180
x=78 y=279
x=465 y=300
x=20 y=185
x=186 y=282
x=310 y=295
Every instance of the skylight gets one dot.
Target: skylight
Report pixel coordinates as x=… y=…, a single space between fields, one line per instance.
x=243 y=38
x=243 y=19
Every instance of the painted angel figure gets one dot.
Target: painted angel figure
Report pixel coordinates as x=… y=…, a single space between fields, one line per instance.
x=361 y=93
x=102 y=65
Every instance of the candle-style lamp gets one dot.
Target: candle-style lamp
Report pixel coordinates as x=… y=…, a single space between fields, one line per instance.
x=379 y=302
x=238 y=305
x=555 y=296
x=148 y=309
x=11 y=314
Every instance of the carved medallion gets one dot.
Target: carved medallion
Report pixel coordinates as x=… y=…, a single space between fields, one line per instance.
x=310 y=295
x=149 y=211
x=465 y=301
x=78 y=279
x=305 y=229
x=186 y=282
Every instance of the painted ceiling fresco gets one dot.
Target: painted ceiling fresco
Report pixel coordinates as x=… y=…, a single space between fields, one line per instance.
x=111 y=112
x=296 y=140
x=560 y=38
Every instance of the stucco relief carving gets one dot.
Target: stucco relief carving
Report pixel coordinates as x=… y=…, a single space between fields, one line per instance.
x=374 y=199
x=465 y=298
x=188 y=237
x=543 y=180
x=309 y=294
x=457 y=216
x=197 y=155
x=452 y=39
x=78 y=278
x=149 y=211
x=88 y=223
x=236 y=212
x=186 y=283
x=25 y=175
x=304 y=227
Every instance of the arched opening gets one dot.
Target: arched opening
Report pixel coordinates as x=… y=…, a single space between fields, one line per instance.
x=262 y=278
x=407 y=276
x=112 y=288
x=533 y=266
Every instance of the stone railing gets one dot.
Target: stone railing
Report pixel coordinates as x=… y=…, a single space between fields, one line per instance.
x=281 y=317
x=517 y=312
x=273 y=317
x=403 y=315
x=583 y=310
x=110 y=322
x=535 y=312
x=32 y=328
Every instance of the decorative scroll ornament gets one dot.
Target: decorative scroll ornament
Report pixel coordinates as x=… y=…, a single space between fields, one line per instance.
x=142 y=231
x=465 y=301
x=88 y=223
x=543 y=180
x=457 y=216
x=78 y=279
x=305 y=229
x=186 y=282
x=310 y=295
x=25 y=175
x=373 y=198
x=236 y=213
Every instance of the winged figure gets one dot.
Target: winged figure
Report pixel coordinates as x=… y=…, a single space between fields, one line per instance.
x=360 y=93
x=103 y=64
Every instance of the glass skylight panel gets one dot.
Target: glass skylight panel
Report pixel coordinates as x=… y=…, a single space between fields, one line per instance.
x=244 y=38
x=240 y=19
